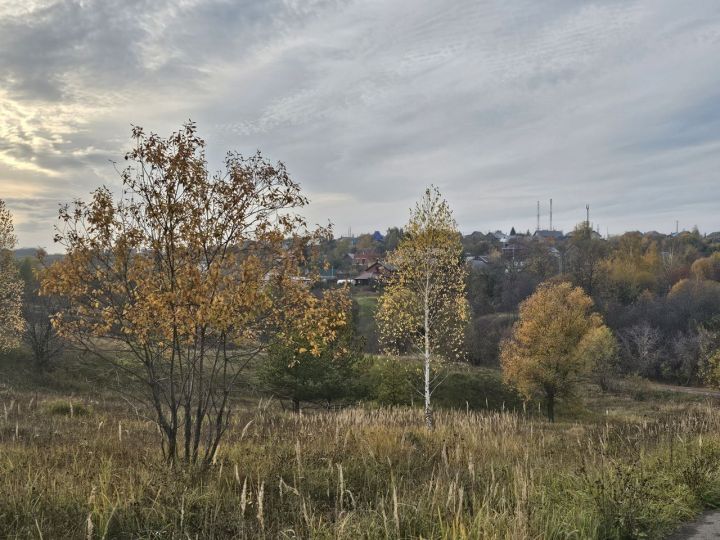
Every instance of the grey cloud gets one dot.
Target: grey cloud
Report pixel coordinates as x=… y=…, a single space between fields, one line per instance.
x=500 y=104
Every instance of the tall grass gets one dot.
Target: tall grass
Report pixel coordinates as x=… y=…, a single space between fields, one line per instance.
x=355 y=474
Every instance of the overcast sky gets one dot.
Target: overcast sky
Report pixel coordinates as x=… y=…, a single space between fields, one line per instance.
x=499 y=103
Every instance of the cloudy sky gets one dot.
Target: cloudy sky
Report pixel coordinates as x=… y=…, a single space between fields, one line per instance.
x=615 y=104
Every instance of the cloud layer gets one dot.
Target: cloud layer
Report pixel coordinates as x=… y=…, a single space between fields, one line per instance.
x=613 y=104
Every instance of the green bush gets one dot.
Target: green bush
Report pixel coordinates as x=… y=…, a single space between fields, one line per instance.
x=67 y=408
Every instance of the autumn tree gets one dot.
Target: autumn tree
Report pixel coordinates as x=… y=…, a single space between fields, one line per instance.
x=709 y=358
x=423 y=305
x=707 y=267
x=180 y=281
x=10 y=284
x=634 y=267
x=557 y=340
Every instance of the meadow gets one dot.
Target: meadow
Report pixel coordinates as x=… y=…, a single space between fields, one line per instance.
x=77 y=461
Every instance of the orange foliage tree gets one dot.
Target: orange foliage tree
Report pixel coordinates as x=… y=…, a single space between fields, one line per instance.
x=182 y=279
x=557 y=340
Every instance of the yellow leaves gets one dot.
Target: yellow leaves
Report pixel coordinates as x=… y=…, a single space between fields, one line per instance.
x=185 y=255
x=556 y=338
x=710 y=367
x=429 y=277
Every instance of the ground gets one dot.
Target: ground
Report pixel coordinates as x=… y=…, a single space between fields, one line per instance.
x=77 y=461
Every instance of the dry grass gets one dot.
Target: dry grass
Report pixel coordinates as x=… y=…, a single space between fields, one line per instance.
x=355 y=474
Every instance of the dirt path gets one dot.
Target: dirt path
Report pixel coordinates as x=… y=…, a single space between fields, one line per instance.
x=686 y=390
x=706 y=527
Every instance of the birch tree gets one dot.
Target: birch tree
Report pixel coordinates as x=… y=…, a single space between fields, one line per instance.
x=10 y=284
x=423 y=306
x=180 y=282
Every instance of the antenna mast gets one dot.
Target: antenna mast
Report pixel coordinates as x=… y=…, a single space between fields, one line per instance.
x=551 y=227
x=538 y=216
x=587 y=214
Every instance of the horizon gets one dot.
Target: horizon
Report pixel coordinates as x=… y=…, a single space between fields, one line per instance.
x=338 y=235
x=612 y=104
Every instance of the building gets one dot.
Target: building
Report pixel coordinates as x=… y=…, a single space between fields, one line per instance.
x=477 y=262
x=373 y=273
x=544 y=234
x=363 y=258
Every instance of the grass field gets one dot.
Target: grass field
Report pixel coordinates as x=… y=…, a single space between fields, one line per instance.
x=78 y=462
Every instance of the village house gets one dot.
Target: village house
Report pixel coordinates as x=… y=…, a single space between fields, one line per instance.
x=545 y=235
x=362 y=258
x=373 y=273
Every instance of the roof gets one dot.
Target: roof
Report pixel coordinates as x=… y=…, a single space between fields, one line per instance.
x=478 y=261
x=372 y=271
x=366 y=275
x=544 y=233
x=382 y=264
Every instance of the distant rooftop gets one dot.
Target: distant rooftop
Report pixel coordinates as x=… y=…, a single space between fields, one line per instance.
x=544 y=233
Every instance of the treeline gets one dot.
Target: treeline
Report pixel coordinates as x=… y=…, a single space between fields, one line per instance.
x=660 y=294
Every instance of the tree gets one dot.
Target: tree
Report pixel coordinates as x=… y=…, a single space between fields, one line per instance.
x=292 y=372
x=641 y=344
x=709 y=361
x=423 y=305
x=10 y=284
x=180 y=282
x=586 y=251
x=39 y=334
x=634 y=267
x=392 y=238
x=707 y=267
x=555 y=342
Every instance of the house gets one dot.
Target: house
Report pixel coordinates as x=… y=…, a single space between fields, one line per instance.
x=544 y=234
x=501 y=237
x=373 y=273
x=477 y=262
x=362 y=258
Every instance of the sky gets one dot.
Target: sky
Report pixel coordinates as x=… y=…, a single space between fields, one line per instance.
x=615 y=104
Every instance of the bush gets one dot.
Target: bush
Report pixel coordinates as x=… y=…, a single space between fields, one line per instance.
x=67 y=408
x=392 y=381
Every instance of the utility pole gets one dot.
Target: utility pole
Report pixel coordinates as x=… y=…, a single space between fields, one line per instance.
x=538 y=216
x=587 y=214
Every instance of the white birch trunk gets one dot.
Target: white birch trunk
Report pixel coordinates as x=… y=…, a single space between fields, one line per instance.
x=428 y=408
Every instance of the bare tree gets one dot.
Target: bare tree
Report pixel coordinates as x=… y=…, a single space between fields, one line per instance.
x=640 y=345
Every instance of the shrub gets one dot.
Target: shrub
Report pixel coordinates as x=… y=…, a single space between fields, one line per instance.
x=67 y=408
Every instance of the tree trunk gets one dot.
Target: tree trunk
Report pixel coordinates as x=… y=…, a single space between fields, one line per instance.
x=429 y=420
x=551 y=407
x=296 y=405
